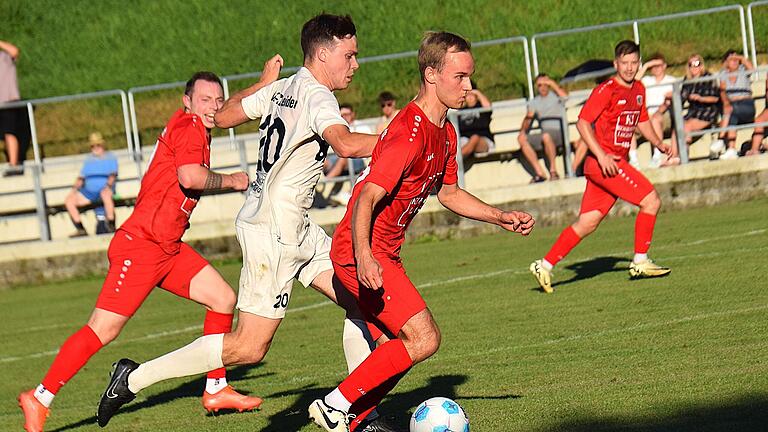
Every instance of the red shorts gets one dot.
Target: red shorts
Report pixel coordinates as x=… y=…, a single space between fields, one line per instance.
x=136 y=266
x=392 y=305
x=601 y=192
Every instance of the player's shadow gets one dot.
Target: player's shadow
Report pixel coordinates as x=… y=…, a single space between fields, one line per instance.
x=594 y=267
x=192 y=388
x=746 y=414
x=397 y=406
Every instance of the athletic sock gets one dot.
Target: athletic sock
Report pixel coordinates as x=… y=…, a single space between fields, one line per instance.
x=337 y=400
x=215 y=385
x=202 y=355
x=568 y=240
x=387 y=361
x=216 y=322
x=546 y=264
x=44 y=396
x=72 y=356
x=644 y=232
x=357 y=343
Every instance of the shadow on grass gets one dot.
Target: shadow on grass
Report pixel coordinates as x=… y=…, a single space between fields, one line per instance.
x=192 y=388
x=746 y=414
x=591 y=268
x=398 y=405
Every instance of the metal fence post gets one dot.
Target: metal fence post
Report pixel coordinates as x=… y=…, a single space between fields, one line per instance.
x=566 y=143
x=677 y=113
x=41 y=205
x=454 y=118
x=636 y=32
x=33 y=133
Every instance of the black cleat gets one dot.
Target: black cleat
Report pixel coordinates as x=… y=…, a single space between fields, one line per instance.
x=381 y=424
x=117 y=393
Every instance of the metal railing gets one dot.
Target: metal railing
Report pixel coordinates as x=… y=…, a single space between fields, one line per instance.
x=750 y=19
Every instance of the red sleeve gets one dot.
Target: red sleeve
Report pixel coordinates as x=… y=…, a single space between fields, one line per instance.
x=598 y=101
x=188 y=143
x=396 y=154
x=451 y=168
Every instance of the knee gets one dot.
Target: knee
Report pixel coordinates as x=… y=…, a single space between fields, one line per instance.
x=423 y=345
x=105 y=332
x=651 y=203
x=522 y=140
x=224 y=301
x=69 y=200
x=106 y=194
x=585 y=226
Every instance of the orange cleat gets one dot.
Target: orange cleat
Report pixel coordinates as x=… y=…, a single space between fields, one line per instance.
x=228 y=398
x=35 y=413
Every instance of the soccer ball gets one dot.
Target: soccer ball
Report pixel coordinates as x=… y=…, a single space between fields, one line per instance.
x=439 y=414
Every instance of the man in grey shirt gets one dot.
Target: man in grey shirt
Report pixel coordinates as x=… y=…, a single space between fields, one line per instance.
x=548 y=109
x=14 y=126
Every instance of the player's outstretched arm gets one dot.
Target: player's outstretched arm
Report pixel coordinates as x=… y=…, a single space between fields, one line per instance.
x=231 y=113
x=368 y=268
x=646 y=129
x=465 y=204
x=198 y=177
x=349 y=144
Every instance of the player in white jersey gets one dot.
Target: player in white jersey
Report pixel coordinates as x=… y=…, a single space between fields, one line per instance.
x=300 y=118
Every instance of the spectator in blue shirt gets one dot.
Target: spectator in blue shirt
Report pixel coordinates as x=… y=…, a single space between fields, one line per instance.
x=96 y=183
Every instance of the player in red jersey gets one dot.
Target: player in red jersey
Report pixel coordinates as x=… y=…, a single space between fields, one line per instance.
x=147 y=251
x=615 y=108
x=414 y=155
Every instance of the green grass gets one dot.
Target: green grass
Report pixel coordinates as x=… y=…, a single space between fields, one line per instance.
x=76 y=46
x=683 y=353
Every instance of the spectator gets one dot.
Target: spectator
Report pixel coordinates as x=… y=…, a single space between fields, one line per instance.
x=759 y=134
x=548 y=108
x=703 y=98
x=96 y=183
x=658 y=97
x=335 y=166
x=475 y=127
x=14 y=122
x=388 y=103
x=738 y=106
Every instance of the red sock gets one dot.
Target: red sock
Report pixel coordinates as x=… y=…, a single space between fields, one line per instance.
x=385 y=362
x=216 y=323
x=72 y=356
x=644 y=231
x=568 y=240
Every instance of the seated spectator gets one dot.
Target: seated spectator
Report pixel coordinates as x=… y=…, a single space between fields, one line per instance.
x=703 y=98
x=580 y=150
x=548 y=108
x=335 y=166
x=14 y=122
x=738 y=106
x=475 y=127
x=658 y=99
x=759 y=134
x=96 y=183
x=389 y=110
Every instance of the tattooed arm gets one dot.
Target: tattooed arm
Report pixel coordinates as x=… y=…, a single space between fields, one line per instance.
x=198 y=177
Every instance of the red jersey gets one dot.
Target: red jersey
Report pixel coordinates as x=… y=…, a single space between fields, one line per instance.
x=163 y=207
x=615 y=110
x=412 y=157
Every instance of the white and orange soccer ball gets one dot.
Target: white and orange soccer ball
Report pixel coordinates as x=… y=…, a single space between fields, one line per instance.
x=439 y=414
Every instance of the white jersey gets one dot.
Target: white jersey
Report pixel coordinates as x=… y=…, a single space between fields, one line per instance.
x=294 y=113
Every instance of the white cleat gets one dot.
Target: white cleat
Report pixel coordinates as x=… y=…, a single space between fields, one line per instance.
x=542 y=275
x=329 y=418
x=647 y=269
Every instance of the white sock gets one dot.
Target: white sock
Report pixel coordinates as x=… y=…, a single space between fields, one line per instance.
x=357 y=342
x=640 y=258
x=202 y=355
x=215 y=385
x=546 y=264
x=337 y=400
x=633 y=155
x=44 y=396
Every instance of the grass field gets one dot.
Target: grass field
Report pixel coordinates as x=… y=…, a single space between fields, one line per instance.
x=683 y=353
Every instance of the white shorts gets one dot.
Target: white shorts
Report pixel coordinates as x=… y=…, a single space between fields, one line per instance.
x=269 y=267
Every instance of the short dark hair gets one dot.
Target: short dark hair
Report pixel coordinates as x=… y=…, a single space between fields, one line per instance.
x=729 y=53
x=202 y=75
x=434 y=47
x=626 y=47
x=657 y=56
x=322 y=29
x=386 y=96
x=541 y=75
x=346 y=105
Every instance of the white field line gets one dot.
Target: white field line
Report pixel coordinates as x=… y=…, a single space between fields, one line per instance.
x=422 y=286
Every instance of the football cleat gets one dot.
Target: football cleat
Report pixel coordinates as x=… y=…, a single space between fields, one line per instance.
x=647 y=269
x=117 y=393
x=543 y=276
x=35 y=413
x=329 y=418
x=228 y=398
x=380 y=424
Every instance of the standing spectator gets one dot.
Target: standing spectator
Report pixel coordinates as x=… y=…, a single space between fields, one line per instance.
x=475 y=127
x=548 y=108
x=703 y=98
x=759 y=134
x=14 y=122
x=738 y=106
x=388 y=103
x=96 y=183
x=658 y=97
